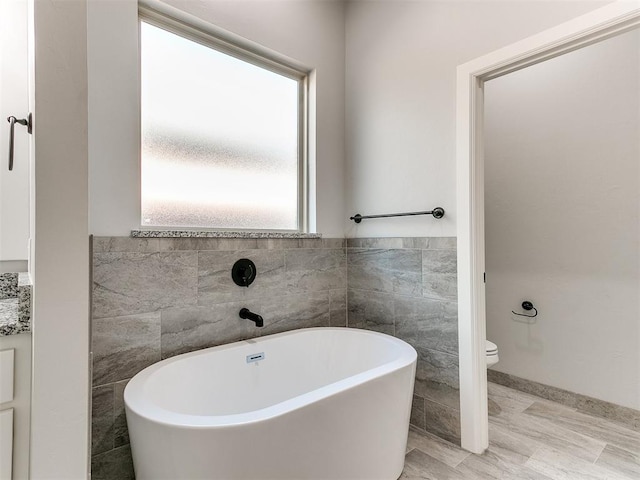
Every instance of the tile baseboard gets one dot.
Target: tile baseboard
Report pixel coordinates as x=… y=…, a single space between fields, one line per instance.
x=626 y=416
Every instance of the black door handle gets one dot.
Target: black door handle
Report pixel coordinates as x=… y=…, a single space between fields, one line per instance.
x=12 y=122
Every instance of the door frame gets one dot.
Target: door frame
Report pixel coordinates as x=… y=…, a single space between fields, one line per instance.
x=608 y=21
x=59 y=261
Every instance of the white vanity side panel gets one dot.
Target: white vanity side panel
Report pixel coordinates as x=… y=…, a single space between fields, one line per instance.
x=6 y=375
x=21 y=403
x=6 y=444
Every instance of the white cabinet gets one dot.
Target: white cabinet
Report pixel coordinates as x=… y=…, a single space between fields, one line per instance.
x=6 y=444
x=15 y=405
x=6 y=375
x=6 y=416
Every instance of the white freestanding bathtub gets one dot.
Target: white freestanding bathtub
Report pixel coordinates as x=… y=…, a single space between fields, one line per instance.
x=317 y=403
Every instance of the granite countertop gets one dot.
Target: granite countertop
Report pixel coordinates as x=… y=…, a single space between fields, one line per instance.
x=8 y=316
x=212 y=234
x=15 y=303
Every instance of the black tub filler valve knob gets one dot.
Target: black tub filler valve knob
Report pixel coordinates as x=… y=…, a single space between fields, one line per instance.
x=243 y=272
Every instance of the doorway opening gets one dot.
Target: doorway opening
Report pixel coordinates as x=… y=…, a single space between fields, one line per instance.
x=609 y=21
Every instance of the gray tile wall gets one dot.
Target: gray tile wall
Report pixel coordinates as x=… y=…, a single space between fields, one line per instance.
x=407 y=287
x=155 y=298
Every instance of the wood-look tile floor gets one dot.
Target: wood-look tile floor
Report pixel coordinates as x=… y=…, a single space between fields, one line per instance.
x=534 y=439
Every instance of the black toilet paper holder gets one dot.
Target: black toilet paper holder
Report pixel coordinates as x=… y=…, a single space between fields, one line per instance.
x=528 y=306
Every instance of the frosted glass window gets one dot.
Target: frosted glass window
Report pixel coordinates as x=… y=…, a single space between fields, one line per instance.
x=220 y=138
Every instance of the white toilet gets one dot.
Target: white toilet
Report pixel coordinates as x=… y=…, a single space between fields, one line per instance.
x=492 y=354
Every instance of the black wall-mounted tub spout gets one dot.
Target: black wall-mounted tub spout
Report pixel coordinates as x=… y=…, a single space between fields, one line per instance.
x=254 y=317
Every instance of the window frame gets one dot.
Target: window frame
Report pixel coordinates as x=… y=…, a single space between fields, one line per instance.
x=208 y=35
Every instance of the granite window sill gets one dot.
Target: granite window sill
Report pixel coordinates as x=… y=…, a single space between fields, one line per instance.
x=213 y=234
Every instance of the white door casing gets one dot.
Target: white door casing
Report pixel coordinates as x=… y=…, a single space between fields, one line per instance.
x=595 y=26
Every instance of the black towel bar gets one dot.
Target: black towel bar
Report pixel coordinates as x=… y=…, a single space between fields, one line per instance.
x=437 y=212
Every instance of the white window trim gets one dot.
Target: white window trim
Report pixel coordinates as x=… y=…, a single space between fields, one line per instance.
x=197 y=30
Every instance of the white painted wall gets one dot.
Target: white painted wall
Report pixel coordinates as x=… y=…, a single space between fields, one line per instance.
x=400 y=89
x=400 y=82
x=60 y=232
x=310 y=32
x=563 y=220
x=114 y=129
x=14 y=100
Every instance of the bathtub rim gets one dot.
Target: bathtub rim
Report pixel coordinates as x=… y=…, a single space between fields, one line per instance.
x=149 y=411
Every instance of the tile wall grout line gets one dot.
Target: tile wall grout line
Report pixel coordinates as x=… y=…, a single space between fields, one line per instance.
x=346 y=277
x=438 y=403
x=422 y=274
